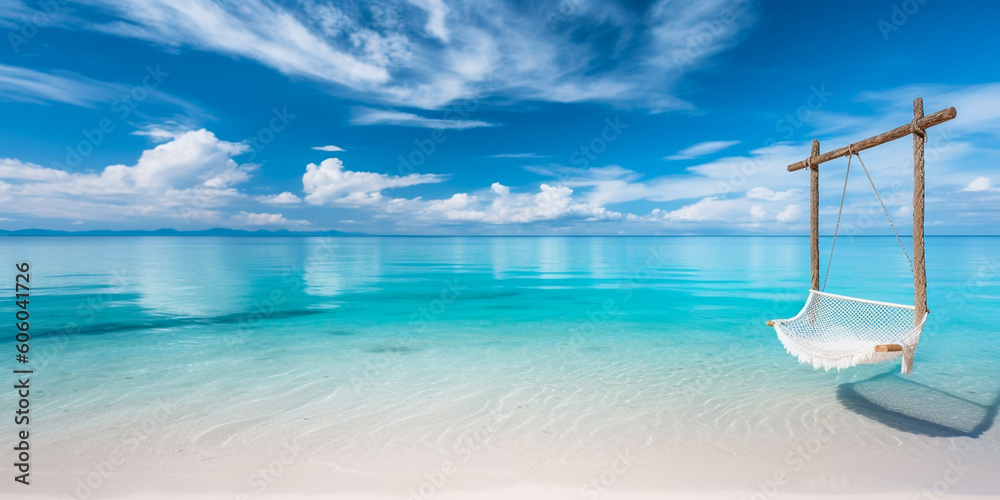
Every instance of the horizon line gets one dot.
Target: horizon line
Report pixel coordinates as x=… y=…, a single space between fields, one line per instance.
x=227 y=232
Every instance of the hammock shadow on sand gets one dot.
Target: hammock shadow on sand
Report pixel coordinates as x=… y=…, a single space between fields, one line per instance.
x=916 y=408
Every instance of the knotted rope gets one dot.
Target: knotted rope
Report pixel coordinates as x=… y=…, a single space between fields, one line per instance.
x=916 y=130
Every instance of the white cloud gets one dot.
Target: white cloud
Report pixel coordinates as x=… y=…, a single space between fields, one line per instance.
x=762 y=167
x=189 y=177
x=979 y=184
x=285 y=198
x=266 y=219
x=427 y=53
x=500 y=206
x=701 y=149
x=181 y=164
x=328 y=183
x=789 y=214
x=750 y=212
x=436 y=14
x=329 y=148
x=367 y=116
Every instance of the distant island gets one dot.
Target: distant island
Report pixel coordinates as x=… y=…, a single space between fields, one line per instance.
x=173 y=232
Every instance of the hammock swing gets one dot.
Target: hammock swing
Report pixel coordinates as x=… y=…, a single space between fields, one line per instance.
x=837 y=331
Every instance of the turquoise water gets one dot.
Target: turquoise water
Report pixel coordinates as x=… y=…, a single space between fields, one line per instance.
x=566 y=347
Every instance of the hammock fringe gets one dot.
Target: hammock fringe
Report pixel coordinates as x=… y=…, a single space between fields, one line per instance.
x=836 y=331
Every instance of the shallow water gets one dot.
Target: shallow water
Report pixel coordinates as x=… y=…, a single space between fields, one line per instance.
x=514 y=358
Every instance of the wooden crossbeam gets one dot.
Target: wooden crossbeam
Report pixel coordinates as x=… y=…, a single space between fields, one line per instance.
x=896 y=133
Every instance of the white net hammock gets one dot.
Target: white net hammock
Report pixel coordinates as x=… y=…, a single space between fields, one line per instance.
x=835 y=331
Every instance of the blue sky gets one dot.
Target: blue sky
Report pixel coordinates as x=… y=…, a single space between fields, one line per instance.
x=448 y=117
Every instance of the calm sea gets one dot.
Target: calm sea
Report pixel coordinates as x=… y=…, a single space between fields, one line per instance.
x=570 y=345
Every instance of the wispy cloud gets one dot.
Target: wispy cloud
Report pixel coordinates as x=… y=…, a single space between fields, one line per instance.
x=368 y=116
x=22 y=84
x=701 y=149
x=427 y=53
x=329 y=148
x=520 y=155
x=500 y=206
x=65 y=87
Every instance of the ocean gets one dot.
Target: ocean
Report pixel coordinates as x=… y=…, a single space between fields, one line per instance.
x=464 y=362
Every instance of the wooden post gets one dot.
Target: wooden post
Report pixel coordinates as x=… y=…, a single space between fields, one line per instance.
x=814 y=216
x=919 y=268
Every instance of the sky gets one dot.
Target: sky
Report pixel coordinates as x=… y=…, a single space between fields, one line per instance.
x=569 y=117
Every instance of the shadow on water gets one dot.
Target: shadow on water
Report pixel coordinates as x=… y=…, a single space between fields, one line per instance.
x=157 y=323
x=917 y=408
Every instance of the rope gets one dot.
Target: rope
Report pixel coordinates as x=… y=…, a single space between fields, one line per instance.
x=886 y=211
x=829 y=262
x=915 y=130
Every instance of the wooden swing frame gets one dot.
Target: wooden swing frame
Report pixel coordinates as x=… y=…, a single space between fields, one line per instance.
x=917 y=128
